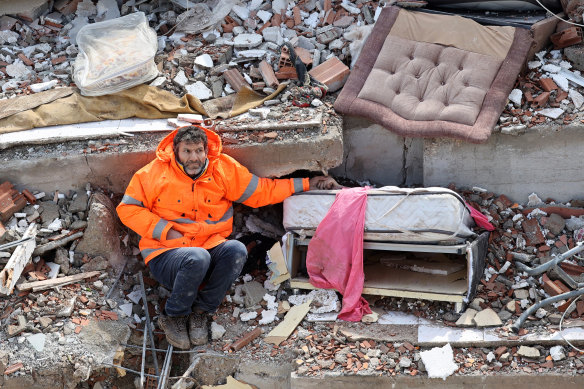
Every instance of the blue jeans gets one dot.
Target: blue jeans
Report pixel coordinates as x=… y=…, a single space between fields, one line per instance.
x=184 y=269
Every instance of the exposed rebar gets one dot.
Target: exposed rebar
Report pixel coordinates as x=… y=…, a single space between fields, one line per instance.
x=148 y=323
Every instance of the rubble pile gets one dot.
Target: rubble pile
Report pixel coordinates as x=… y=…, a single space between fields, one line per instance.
x=532 y=234
x=203 y=50
x=550 y=91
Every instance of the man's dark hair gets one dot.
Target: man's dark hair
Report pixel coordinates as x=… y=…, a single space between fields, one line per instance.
x=190 y=134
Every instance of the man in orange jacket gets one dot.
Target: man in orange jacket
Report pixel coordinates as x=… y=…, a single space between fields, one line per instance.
x=181 y=206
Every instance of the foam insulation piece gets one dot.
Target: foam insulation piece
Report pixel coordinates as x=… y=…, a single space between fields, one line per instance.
x=439 y=362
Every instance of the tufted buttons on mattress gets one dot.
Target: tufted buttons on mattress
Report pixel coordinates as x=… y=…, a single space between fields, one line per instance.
x=440 y=84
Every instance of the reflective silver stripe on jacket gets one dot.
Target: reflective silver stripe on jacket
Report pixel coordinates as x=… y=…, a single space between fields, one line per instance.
x=298 y=186
x=131 y=201
x=251 y=187
x=184 y=221
x=228 y=215
x=146 y=252
x=158 y=228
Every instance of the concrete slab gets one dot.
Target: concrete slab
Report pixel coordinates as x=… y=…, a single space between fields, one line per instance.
x=31 y=8
x=440 y=335
x=379 y=332
x=66 y=165
x=373 y=153
x=518 y=381
x=542 y=160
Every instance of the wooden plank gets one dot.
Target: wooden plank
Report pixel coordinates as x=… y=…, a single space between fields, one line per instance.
x=283 y=330
x=56 y=281
x=19 y=259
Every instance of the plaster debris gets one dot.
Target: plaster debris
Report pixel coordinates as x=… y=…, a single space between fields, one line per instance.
x=322 y=301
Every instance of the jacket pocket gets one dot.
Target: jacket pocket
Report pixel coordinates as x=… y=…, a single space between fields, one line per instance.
x=175 y=243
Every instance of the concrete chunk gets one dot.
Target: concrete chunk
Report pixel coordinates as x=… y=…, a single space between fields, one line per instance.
x=37 y=341
x=528 y=352
x=254 y=293
x=466 y=320
x=487 y=318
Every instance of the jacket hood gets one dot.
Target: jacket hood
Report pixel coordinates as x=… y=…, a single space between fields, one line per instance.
x=165 y=152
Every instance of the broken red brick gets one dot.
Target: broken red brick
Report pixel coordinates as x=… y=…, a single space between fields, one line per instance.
x=10 y=201
x=25 y=59
x=548 y=84
x=332 y=72
x=568 y=37
x=246 y=339
x=542 y=99
x=66 y=7
x=287 y=73
x=276 y=20
x=58 y=60
x=268 y=74
x=562 y=95
x=12 y=368
x=533 y=233
x=56 y=26
x=258 y=85
x=235 y=79
x=297 y=17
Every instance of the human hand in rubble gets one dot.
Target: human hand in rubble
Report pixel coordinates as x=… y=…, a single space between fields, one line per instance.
x=323 y=183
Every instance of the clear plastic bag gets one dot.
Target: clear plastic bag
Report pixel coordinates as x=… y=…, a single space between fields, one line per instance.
x=115 y=55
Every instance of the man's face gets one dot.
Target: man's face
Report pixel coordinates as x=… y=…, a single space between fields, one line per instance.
x=192 y=156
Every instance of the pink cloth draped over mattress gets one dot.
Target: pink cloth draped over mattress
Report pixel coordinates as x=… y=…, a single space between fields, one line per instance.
x=335 y=253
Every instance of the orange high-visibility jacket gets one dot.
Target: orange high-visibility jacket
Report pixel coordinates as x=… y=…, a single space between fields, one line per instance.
x=162 y=196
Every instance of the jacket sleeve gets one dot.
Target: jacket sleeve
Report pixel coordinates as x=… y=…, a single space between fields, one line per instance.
x=249 y=189
x=135 y=212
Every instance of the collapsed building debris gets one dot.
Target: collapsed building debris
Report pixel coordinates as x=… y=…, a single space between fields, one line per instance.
x=83 y=326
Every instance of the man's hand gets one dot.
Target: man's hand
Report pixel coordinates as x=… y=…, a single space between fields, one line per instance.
x=173 y=234
x=323 y=183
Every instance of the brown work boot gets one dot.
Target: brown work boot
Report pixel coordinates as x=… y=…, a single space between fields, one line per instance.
x=175 y=329
x=198 y=328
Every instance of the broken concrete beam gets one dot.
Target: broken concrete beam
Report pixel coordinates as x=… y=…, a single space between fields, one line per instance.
x=332 y=72
x=268 y=74
x=20 y=257
x=235 y=79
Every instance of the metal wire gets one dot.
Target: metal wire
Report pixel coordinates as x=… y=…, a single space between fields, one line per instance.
x=165 y=368
x=562 y=320
x=115 y=284
x=194 y=350
x=556 y=16
x=148 y=323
